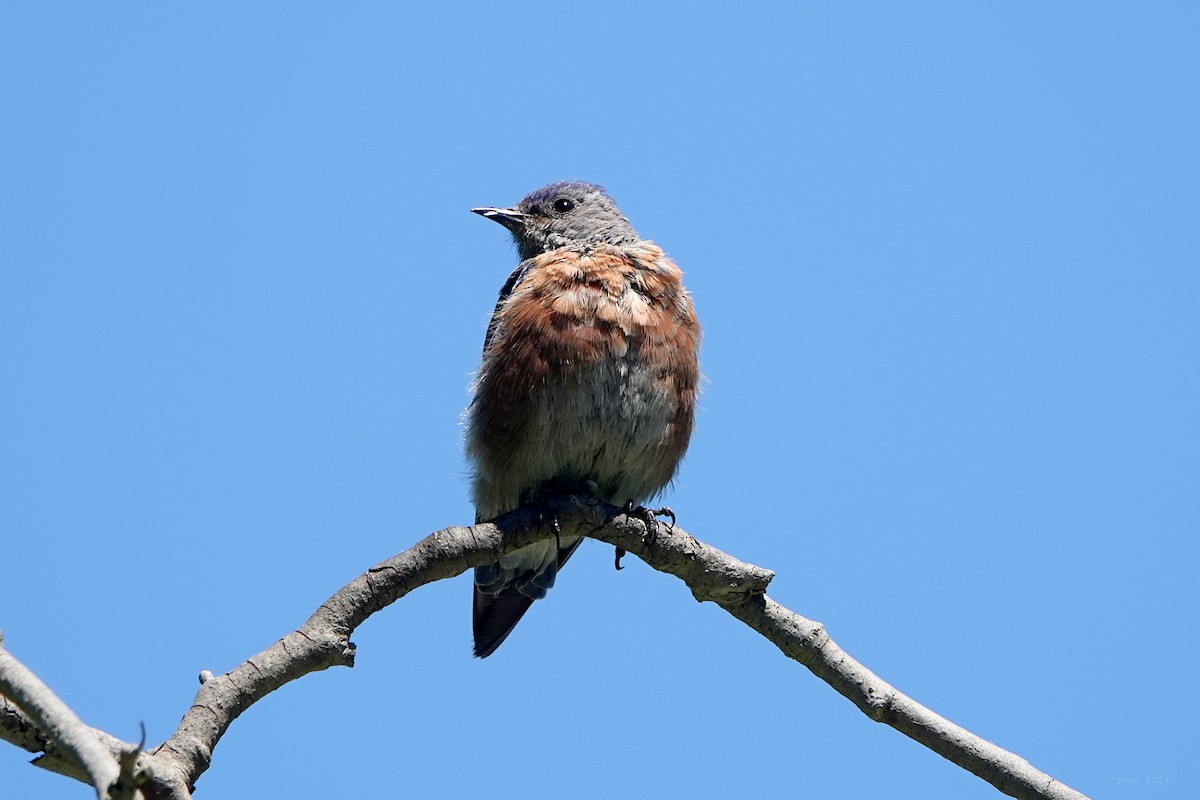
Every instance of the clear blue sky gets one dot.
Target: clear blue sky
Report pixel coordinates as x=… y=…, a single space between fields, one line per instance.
x=947 y=258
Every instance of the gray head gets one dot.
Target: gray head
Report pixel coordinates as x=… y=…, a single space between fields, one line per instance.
x=561 y=215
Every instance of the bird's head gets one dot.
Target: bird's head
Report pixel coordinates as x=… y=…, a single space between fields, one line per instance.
x=563 y=214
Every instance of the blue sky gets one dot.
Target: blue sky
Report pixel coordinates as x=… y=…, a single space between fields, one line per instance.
x=946 y=257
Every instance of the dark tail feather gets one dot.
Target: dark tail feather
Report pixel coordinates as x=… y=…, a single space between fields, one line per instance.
x=494 y=616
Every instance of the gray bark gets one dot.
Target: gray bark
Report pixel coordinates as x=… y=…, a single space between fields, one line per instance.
x=171 y=769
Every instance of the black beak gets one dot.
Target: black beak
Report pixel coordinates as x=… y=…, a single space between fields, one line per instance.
x=508 y=217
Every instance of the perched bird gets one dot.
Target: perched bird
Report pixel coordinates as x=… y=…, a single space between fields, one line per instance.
x=588 y=382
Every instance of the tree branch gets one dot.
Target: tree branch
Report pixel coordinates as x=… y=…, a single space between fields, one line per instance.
x=324 y=641
x=115 y=776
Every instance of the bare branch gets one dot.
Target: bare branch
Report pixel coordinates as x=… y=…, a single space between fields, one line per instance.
x=739 y=589
x=114 y=776
x=807 y=642
x=324 y=641
x=18 y=728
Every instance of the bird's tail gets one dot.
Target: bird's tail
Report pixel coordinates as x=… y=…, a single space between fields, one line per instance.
x=496 y=612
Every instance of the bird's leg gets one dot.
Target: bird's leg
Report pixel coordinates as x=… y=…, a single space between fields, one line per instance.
x=649 y=516
x=544 y=496
x=545 y=509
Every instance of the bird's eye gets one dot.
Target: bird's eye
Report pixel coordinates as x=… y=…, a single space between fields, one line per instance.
x=562 y=205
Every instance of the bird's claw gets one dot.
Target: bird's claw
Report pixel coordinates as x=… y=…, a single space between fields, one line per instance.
x=650 y=517
x=666 y=511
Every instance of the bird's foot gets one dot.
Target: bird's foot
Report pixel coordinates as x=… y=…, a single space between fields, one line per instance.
x=650 y=517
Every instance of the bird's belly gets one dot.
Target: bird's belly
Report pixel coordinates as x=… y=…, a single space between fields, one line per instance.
x=606 y=423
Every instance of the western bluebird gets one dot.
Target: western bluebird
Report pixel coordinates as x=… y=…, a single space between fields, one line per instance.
x=588 y=382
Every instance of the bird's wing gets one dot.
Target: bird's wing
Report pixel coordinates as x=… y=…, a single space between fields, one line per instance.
x=505 y=292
